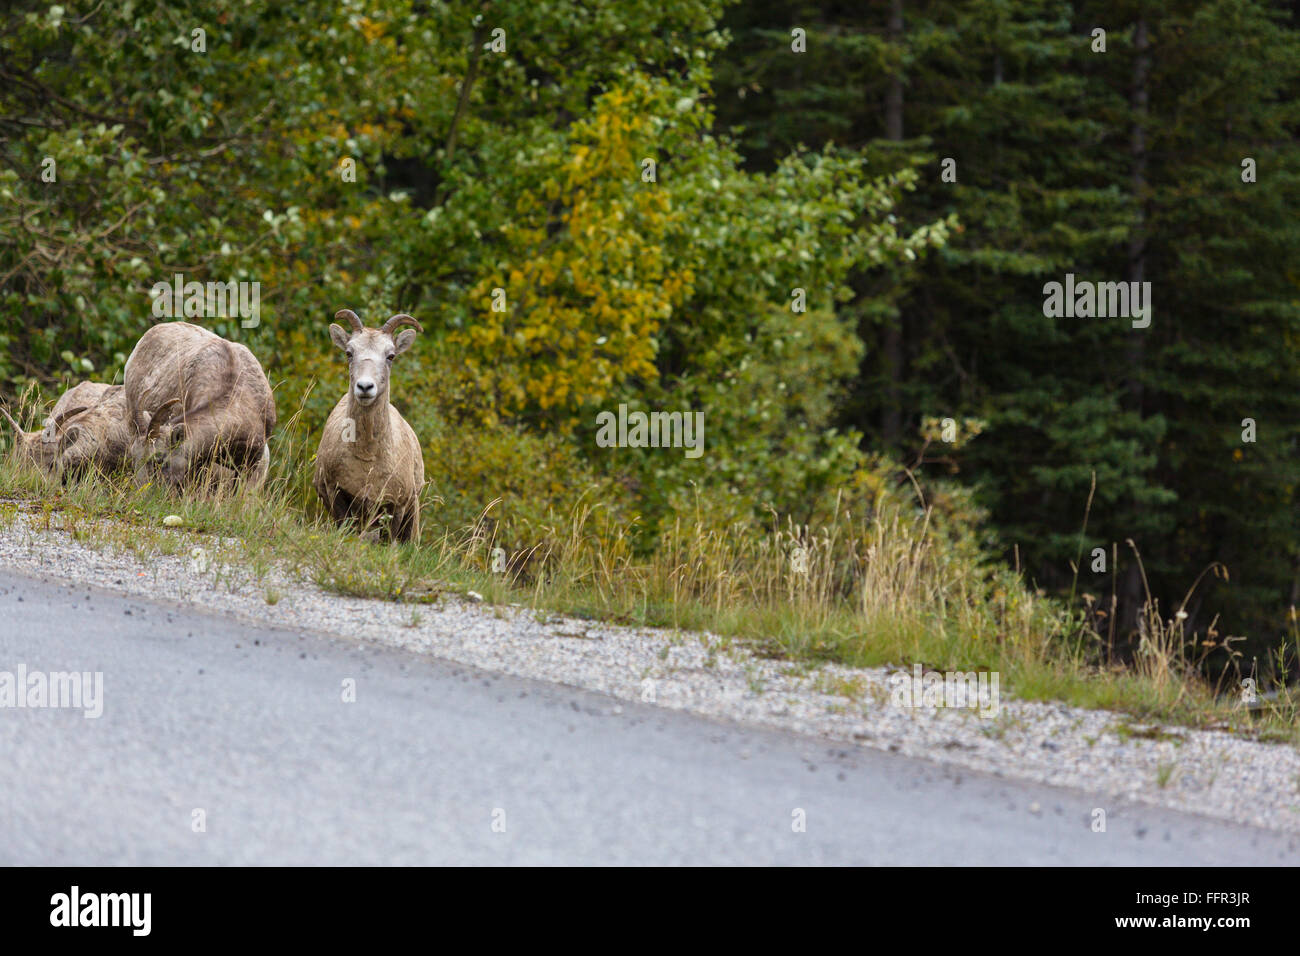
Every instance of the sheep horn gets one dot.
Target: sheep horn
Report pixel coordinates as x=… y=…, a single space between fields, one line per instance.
x=351 y=317
x=5 y=413
x=399 y=320
x=65 y=415
x=156 y=420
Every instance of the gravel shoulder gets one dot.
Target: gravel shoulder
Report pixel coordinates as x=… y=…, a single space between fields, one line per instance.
x=1210 y=773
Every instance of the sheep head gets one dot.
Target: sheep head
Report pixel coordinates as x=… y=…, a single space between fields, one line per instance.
x=78 y=445
x=157 y=433
x=42 y=447
x=371 y=352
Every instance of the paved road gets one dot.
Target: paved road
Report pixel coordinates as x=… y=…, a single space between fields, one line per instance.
x=202 y=712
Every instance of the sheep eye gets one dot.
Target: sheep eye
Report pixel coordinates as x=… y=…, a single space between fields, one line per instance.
x=349 y=353
x=390 y=356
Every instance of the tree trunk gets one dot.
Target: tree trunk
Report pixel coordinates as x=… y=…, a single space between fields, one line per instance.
x=1131 y=591
x=891 y=421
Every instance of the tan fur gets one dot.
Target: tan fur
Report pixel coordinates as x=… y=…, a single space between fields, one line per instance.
x=86 y=427
x=97 y=438
x=380 y=472
x=196 y=401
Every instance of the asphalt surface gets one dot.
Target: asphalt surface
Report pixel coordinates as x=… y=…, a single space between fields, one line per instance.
x=436 y=763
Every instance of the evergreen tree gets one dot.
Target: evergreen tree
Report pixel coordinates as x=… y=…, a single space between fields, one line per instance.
x=1119 y=162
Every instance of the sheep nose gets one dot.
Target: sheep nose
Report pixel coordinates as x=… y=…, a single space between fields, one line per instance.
x=365 y=386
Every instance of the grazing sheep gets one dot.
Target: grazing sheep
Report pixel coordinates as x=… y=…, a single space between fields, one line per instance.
x=97 y=437
x=368 y=466
x=87 y=426
x=197 y=401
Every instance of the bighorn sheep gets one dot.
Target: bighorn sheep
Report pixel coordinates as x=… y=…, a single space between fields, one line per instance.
x=87 y=427
x=195 y=400
x=369 y=465
x=97 y=437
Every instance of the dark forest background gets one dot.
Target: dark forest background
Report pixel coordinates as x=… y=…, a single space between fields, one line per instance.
x=1117 y=166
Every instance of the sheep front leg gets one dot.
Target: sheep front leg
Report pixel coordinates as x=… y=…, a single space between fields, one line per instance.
x=342 y=507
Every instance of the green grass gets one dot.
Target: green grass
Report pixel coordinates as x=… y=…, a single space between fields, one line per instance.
x=885 y=588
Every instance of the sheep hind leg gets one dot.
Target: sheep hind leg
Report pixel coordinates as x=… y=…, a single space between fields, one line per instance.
x=257 y=476
x=406 y=524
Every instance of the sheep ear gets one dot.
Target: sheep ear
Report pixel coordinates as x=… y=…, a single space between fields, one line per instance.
x=339 y=336
x=405 y=339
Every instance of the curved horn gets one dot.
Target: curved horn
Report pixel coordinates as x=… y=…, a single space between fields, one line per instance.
x=156 y=420
x=400 y=319
x=351 y=317
x=63 y=416
x=5 y=413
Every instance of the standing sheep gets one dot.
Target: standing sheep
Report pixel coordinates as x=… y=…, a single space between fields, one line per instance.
x=195 y=400
x=369 y=466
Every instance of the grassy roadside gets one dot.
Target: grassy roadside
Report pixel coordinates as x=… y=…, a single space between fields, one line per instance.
x=863 y=591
